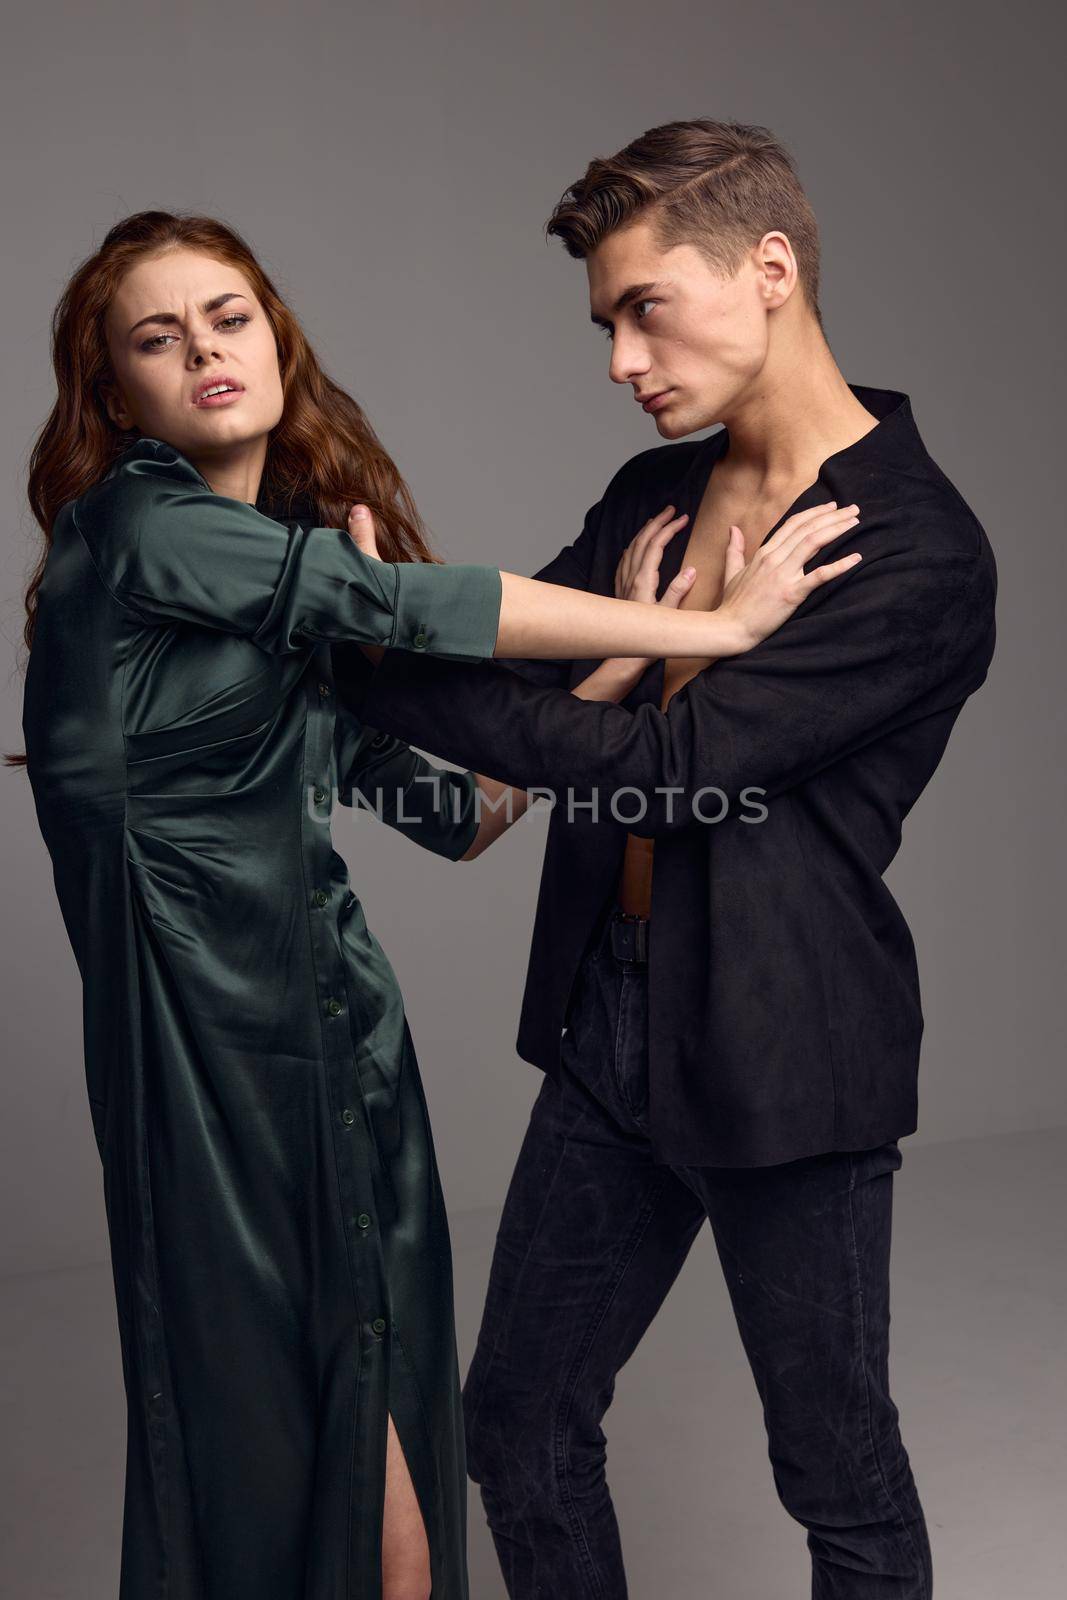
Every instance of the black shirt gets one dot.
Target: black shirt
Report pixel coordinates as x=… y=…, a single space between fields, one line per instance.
x=785 y=1014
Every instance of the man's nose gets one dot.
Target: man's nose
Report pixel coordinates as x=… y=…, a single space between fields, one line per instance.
x=627 y=362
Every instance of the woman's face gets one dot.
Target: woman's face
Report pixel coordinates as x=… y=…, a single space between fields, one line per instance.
x=178 y=323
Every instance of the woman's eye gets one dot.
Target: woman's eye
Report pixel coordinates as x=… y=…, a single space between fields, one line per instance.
x=236 y=318
x=643 y=303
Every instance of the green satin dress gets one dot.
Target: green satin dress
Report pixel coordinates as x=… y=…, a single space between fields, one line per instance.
x=279 y=1247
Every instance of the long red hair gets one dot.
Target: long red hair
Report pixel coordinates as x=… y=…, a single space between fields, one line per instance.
x=322 y=455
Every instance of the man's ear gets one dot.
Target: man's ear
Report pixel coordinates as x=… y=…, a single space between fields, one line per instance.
x=778 y=268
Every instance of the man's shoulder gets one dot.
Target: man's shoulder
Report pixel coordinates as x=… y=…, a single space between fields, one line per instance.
x=920 y=502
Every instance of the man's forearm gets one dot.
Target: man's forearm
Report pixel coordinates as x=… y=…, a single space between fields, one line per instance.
x=613 y=679
x=503 y=804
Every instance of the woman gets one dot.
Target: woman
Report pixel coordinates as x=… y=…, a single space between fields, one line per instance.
x=279 y=1247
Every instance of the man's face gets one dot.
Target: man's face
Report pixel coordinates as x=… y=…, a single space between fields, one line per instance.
x=682 y=329
x=179 y=321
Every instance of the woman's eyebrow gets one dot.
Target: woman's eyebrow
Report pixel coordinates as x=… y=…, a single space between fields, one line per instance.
x=208 y=305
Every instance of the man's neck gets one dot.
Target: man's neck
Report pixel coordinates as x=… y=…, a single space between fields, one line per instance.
x=799 y=411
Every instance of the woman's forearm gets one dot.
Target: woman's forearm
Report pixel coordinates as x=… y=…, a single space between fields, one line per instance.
x=545 y=619
x=548 y=620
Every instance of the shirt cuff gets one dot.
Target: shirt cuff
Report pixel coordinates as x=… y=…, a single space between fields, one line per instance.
x=446 y=610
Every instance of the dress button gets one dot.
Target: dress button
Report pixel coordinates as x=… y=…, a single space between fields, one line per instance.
x=363 y=1220
x=378 y=740
x=378 y=1324
x=324 y=689
x=334 y=1007
x=348 y=1116
x=320 y=897
x=320 y=795
x=420 y=640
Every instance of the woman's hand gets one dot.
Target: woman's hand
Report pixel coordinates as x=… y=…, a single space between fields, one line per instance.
x=759 y=595
x=363 y=533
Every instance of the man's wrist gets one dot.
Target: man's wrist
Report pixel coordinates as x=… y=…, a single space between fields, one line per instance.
x=626 y=669
x=613 y=679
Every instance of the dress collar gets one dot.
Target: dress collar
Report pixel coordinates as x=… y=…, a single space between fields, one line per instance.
x=299 y=510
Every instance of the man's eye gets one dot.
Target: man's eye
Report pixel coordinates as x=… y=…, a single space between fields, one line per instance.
x=609 y=332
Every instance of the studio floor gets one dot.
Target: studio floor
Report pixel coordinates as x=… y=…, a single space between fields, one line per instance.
x=978 y=1368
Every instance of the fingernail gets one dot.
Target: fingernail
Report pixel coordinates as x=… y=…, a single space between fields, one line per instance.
x=360 y=511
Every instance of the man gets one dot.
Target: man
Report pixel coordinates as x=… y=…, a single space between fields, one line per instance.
x=722 y=992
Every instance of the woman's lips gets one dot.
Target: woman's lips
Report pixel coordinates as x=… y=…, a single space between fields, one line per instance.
x=223 y=399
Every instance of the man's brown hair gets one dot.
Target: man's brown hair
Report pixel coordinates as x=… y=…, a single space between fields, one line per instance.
x=719 y=186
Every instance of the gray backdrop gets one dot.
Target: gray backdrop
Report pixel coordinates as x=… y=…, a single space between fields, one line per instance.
x=394 y=172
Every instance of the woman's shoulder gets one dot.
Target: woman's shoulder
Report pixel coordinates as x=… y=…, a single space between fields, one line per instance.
x=148 y=474
x=144 y=465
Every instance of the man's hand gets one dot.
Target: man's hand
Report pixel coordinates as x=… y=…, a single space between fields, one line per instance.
x=363 y=531
x=363 y=534
x=637 y=574
x=637 y=578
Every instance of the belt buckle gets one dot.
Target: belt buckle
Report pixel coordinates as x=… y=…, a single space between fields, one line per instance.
x=636 y=938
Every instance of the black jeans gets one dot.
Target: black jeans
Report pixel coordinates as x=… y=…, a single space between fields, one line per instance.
x=593 y=1235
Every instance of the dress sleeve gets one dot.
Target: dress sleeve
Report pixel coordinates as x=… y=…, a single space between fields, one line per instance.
x=431 y=805
x=171 y=550
x=904 y=635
